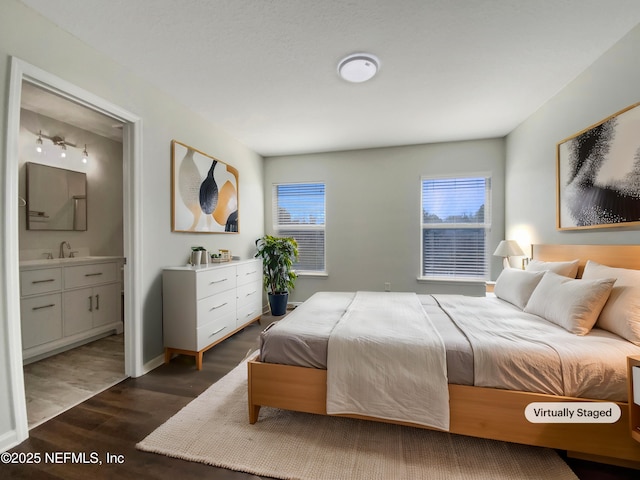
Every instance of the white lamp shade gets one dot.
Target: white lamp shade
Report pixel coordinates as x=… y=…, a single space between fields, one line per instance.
x=508 y=248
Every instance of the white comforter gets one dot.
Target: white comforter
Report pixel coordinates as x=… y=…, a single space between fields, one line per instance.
x=518 y=351
x=401 y=380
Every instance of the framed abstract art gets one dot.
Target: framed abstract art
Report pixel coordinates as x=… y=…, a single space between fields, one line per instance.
x=598 y=174
x=204 y=192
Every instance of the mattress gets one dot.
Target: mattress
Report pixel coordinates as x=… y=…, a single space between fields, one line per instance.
x=301 y=337
x=597 y=367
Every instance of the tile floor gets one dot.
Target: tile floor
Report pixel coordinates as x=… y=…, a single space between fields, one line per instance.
x=57 y=383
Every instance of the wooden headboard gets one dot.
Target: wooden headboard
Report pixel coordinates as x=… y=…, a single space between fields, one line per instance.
x=621 y=256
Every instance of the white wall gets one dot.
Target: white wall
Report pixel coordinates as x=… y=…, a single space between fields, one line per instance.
x=373 y=210
x=104 y=234
x=606 y=87
x=34 y=39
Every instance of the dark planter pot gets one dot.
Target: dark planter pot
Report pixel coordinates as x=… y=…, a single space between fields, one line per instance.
x=278 y=303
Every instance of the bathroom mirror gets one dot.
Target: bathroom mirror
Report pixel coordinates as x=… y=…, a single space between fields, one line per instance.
x=56 y=198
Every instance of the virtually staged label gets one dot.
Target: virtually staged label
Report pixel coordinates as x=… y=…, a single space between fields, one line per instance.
x=572 y=412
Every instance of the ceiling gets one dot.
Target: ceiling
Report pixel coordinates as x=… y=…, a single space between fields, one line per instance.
x=265 y=71
x=51 y=105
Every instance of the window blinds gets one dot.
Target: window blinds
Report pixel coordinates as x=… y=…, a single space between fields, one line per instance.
x=299 y=212
x=456 y=217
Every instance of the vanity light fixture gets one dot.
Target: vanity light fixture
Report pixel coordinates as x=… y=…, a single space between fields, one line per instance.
x=85 y=154
x=39 y=142
x=358 y=67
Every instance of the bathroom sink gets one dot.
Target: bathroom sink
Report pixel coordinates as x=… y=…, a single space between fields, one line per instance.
x=65 y=261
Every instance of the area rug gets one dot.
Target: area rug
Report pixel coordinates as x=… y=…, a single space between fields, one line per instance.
x=214 y=429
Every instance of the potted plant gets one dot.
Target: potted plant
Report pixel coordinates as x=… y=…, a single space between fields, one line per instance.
x=278 y=255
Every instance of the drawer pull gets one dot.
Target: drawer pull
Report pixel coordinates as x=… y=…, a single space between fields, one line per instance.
x=250 y=313
x=93 y=274
x=218 y=281
x=217 y=331
x=250 y=293
x=251 y=273
x=217 y=306
x=44 y=306
x=44 y=281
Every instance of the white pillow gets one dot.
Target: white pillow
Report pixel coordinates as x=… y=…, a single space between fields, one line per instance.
x=572 y=304
x=621 y=313
x=516 y=286
x=567 y=269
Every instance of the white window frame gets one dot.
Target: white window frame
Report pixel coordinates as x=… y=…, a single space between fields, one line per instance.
x=486 y=225
x=277 y=227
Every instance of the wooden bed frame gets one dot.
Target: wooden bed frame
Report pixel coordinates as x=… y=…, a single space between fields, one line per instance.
x=477 y=411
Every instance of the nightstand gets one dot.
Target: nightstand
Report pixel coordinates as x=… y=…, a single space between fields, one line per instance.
x=490 y=286
x=633 y=385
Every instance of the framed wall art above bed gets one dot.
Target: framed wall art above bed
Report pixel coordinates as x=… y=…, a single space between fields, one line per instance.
x=598 y=174
x=204 y=192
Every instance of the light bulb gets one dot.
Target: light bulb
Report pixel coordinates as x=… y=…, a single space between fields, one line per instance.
x=39 y=142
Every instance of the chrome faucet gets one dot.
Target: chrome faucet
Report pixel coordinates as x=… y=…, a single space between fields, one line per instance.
x=62 y=244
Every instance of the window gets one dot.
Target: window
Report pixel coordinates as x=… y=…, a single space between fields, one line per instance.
x=299 y=212
x=456 y=218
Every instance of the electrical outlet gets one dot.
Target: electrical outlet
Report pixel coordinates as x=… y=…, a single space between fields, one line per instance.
x=387 y=286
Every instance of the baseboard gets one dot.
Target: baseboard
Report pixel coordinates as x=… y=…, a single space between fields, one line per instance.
x=152 y=364
x=9 y=440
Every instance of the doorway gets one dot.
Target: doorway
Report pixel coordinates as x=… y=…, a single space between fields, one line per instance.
x=131 y=141
x=71 y=174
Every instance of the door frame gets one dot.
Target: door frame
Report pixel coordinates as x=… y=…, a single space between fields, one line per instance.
x=132 y=194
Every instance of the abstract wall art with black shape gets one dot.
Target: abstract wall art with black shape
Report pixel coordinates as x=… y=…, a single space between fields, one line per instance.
x=204 y=192
x=599 y=174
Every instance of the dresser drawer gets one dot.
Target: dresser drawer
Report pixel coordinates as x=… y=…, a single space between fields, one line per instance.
x=86 y=275
x=249 y=294
x=215 y=330
x=216 y=280
x=33 y=282
x=248 y=312
x=41 y=319
x=216 y=306
x=250 y=273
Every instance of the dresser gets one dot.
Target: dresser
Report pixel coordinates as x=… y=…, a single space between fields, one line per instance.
x=65 y=303
x=203 y=305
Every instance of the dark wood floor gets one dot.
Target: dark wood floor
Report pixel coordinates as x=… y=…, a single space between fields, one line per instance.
x=111 y=423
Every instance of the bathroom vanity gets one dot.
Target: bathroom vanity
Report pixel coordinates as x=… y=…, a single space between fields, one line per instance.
x=67 y=302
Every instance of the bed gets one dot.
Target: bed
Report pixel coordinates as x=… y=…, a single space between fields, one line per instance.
x=484 y=411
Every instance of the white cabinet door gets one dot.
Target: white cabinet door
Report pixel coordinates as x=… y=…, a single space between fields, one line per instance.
x=91 y=307
x=78 y=311
x=106 y=305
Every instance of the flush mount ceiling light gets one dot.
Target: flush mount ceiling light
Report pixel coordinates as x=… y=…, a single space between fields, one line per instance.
x=358 y=67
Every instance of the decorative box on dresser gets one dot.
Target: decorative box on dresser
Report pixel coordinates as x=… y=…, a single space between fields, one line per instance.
x=203 y=305
x=67 y=302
